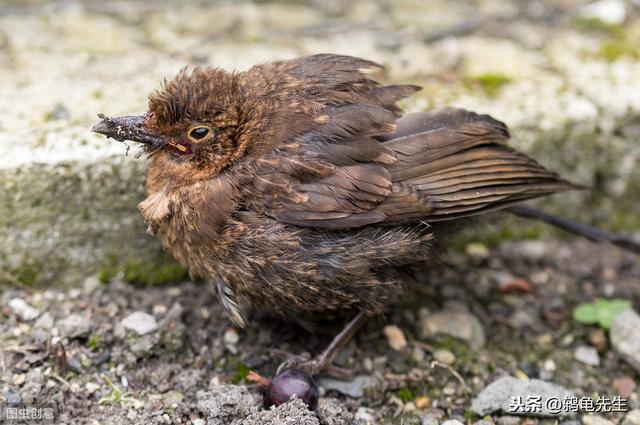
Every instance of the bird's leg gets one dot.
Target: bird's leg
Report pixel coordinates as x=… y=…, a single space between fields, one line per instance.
x=322 y=362
x=591 y=233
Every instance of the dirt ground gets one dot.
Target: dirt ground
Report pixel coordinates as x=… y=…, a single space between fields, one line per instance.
x=191 y=348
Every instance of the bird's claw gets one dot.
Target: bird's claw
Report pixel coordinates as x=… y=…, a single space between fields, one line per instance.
x=314 y=366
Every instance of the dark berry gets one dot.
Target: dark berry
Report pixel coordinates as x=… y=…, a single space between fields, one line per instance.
x=292 y=382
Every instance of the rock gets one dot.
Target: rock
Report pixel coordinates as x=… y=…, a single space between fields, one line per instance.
x=595 y=420
x=293 y=412
x=482 y=422
x=74 y=326
x=624 y=386
x=632 y=418
x=90 y=284
x=428 y=419
x=140 y=322
x=500 y=394
x=444 y=356
x=452 y=422
x=625 y=337
x=530 y=250
x=231 y=337
x=587 y=355
x=354 y=388
x=395 y=337
x=226 y=403
x=598 y=339
x=364 y=416
x=143 y=346
x=458 y=324
x=11 y=396
x=44 y=322
x=172 y=329
x=332 y=411
x=508 y=420
x=423 y=402
x=612 y=12
x=24 y=311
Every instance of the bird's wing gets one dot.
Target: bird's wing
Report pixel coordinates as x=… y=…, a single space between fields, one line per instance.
x=356 y=165
x=334 y=176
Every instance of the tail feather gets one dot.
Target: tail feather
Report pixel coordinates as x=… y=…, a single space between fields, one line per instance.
x=458 y=161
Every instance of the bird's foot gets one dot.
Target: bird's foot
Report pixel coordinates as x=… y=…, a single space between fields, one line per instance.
x=313 y=366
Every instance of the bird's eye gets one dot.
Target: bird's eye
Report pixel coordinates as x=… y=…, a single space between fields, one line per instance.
x=198 y=133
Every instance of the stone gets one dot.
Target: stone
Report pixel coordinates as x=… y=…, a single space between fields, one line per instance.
x=452 y=422
x=595 y=420
x=140 y=322
x=226 y=403
x=90 y=284
x=624 y=386
x=12 y=396
x=332 y=411
x=632 y=418
x=587 y=355
x=74 y=326
x=143 y=346
x=293 y=412
x=24 y=311
x=172 y=329
x=444 y=356
x=44 y=322
x=395 y=337
x=458 y=324
x=231 y=336
x=498 y=396
x=429 y=419
x=423 y=402
x=530 y=250
x=625 y=337
x=354 y=388
x=612 y=12
x=364 y=416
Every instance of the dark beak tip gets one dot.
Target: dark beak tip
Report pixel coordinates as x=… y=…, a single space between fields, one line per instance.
x=100 y=128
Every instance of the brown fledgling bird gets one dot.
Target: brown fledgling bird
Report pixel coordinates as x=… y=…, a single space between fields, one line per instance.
x=297 y=186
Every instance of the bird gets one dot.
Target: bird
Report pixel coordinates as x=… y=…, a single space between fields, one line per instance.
x=299 y=187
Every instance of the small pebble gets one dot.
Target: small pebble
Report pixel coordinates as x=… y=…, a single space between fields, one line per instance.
x=423 y=402
x=395 y=337
x=444 y=356
x=24 y=311
x=587 y=355
x=598 y=339
x=595 y=420
x=231 y=336
x=624 y=386
x=632 y=418
x=140 y=322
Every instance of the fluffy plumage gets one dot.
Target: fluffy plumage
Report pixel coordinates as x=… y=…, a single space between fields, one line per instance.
x=310 y=191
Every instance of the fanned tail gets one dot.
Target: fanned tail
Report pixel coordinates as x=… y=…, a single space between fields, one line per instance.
x=459 y=161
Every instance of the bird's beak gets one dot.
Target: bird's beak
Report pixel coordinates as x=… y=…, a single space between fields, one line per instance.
x=128 y=128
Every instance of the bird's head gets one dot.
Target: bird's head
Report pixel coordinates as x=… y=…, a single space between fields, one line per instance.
x=194 y=123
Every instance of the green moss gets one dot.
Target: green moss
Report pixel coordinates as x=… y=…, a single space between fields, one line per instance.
x=148 y=274
x=596 y=24
x=406 y=394
x=94 y=341
x=107 y=274
x=620 y=42
x=24 y=275
x=490 y=82
x=242 y=370
x=612 y=50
